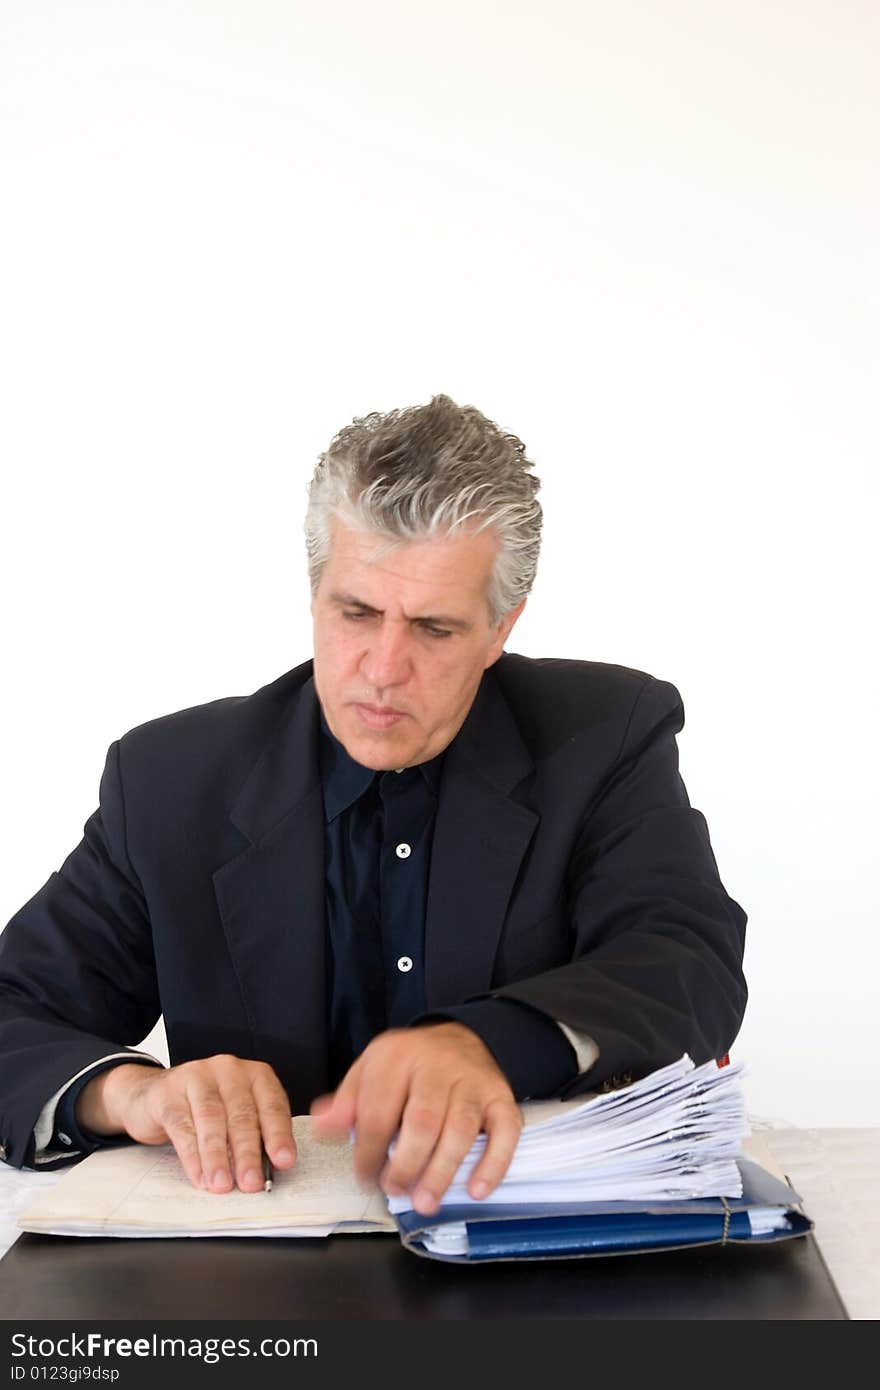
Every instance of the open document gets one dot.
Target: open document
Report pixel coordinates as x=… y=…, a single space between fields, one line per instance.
x=142 y=1190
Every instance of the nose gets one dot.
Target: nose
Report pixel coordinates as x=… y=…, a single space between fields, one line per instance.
x=386 y=661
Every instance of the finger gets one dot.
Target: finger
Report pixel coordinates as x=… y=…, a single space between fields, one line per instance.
x=379 y=1109
x=208 y=1111
x=503 y=1124
x=460 y=1128
x=273 y=1106
x=420 y=1129
x=176 y=1119
x=333 y=1115
x=244 y=1135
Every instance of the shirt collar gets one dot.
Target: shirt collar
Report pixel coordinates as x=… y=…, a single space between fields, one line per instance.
x=345 y=780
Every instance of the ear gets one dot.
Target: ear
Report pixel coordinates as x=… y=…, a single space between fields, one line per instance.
x=502 y=631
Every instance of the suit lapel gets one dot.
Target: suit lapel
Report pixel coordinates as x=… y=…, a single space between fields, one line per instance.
x=480 y=838
x=271 y=900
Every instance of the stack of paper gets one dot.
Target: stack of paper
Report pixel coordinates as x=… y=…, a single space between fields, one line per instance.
x=672 y=1136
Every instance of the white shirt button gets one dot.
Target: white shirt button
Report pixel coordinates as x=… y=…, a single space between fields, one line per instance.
x=403 y=851
x=404 y=964
x=65 y=1138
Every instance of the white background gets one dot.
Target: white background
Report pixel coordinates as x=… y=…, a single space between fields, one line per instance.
x=642 y=236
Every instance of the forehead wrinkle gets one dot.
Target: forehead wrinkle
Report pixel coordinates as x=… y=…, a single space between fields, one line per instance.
x=356 y=558
x=379 y=564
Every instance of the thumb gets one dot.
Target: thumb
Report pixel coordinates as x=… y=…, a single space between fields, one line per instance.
x=334 y=1114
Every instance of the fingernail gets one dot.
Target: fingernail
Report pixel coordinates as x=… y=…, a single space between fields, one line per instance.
x=220 y=1178
x=284 y=1156
x=252 y=1178
x=424 y=1201
x=393 y=1189
x=480 y=1189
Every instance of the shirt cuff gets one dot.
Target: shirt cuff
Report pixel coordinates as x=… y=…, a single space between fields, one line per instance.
x=585 y=1049
x=530 y=1048
x=56 y=1132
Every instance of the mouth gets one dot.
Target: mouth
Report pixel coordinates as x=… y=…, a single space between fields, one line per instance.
x=379 y=716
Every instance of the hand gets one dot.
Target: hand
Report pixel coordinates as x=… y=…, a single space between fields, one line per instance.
x=438 y=1085
x=208 y=1109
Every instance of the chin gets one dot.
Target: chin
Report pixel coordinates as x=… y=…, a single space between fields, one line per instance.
x=377 y=759
x=381 y=753
x=376 y=763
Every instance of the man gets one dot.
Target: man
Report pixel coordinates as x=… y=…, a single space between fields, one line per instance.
x=408 y=884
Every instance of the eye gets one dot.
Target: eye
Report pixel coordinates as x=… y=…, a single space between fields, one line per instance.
x=356 y=616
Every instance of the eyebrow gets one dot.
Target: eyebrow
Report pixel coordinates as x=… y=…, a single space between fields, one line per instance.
x=436 y=619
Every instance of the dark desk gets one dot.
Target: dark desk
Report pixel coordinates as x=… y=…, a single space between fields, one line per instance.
x=373 y=1278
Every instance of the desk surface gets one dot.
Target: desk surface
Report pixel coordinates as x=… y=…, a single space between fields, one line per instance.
x=371 y=1277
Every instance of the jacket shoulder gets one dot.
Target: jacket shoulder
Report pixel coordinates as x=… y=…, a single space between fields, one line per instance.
x=596 y=684
x=556 y=699
x=227 y=733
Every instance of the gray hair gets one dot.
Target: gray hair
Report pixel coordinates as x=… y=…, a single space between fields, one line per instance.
x=411 y=475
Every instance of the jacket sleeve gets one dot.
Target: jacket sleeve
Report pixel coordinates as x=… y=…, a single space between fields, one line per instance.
x=77 y=974
x=656 y=943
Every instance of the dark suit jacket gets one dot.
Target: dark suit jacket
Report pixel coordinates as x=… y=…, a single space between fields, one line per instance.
x=568 y=871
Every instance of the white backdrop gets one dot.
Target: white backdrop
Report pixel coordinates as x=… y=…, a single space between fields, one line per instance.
x=643 y=236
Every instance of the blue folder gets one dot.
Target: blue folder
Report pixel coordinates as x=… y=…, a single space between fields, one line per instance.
x=543 y=1231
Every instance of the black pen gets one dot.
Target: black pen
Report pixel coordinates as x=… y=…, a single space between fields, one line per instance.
x=268 y=1175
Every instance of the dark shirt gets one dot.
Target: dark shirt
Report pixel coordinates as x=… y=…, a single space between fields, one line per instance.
x=377 y=853
x=379 y=827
